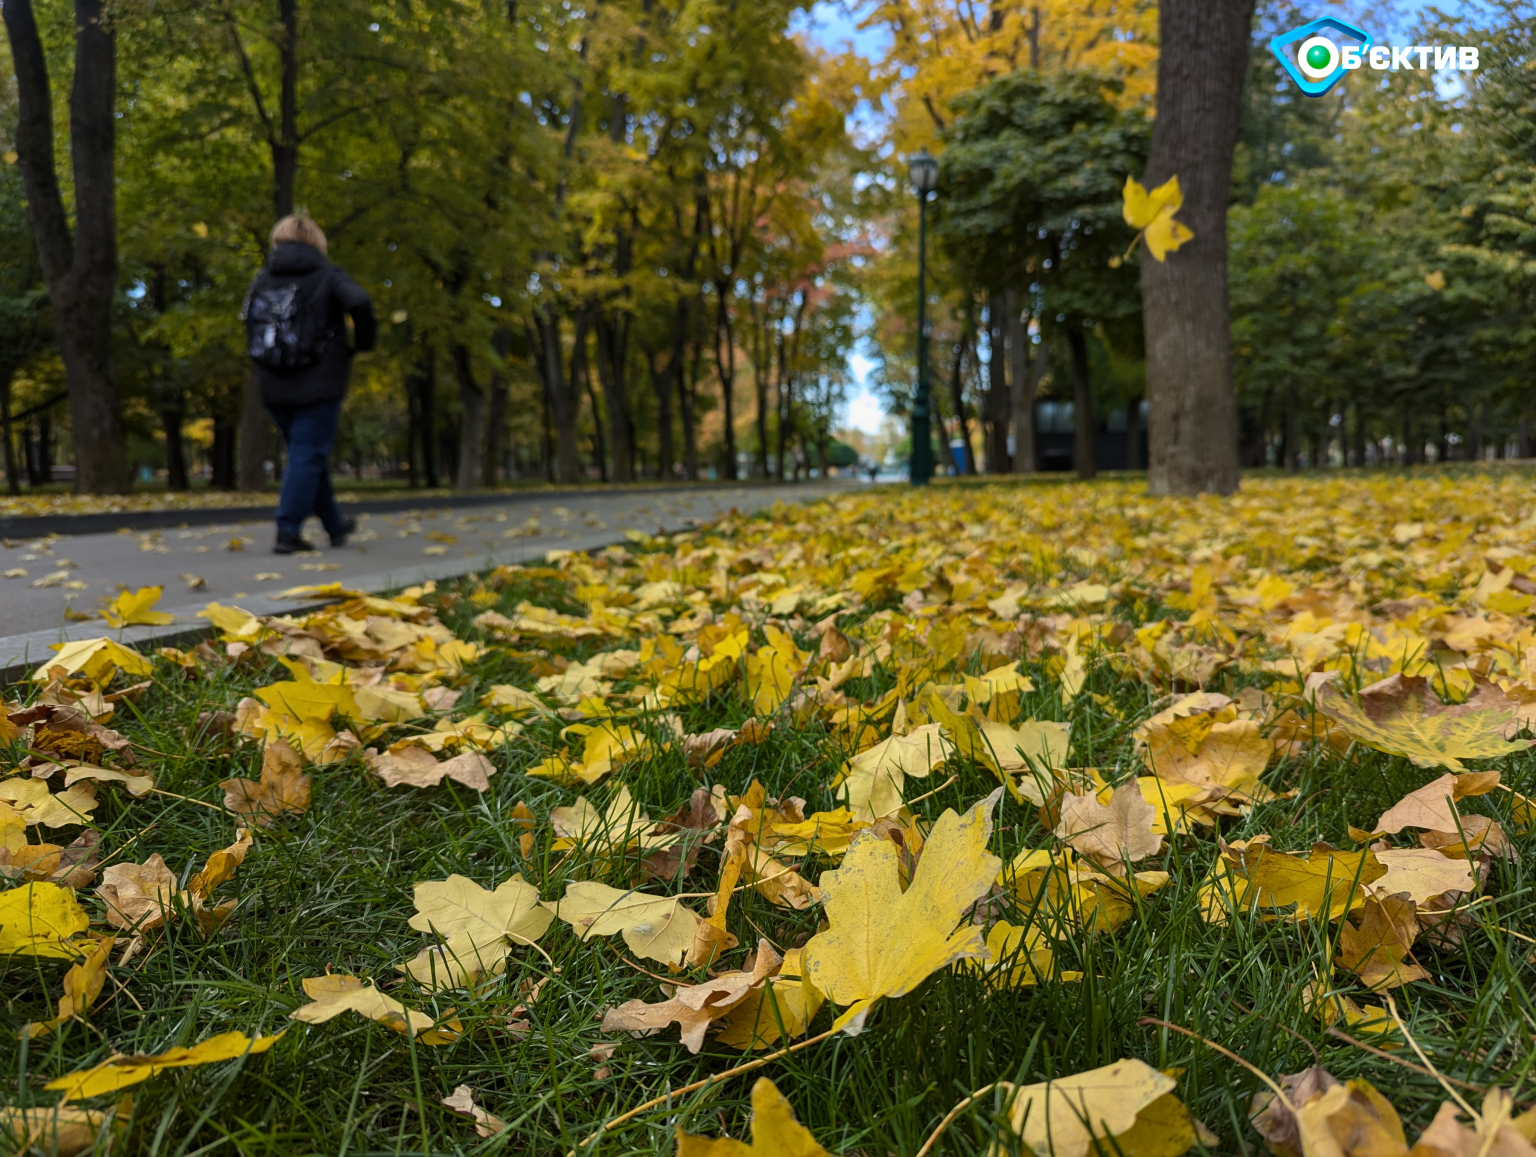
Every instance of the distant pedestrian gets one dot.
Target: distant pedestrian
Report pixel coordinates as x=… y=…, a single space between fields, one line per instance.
x=295 y=324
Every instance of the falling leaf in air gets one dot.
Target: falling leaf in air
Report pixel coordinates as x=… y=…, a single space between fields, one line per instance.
x=1152 y=215
x=775 y=1132
x=120 y=1071
x=1129 y=1102
x=282 y=790
x=132 y=610
x=1401 y=715
x=477 y=925
x=881 y=941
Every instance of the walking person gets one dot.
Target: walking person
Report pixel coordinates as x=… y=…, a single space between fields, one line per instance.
x=295 y=323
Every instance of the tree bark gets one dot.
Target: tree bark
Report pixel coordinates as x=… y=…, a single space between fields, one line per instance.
x=1288 y=445
x=957 y=398
x=612 y=361
x=687 y=396
x=171 y=418
x=496 y=423
x=1082 y=404
x=12 y=479
x=470 y=467
x=255 y=437
x=725 y=366
x=1192 y=422
x=661 y=383
x=997 y=388
x=581 y=372
x=80 y=268
x=1475 y=432
x=562 y=396
x=1025 y=381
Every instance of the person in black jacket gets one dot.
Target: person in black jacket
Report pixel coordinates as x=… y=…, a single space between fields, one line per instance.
x=304 y=388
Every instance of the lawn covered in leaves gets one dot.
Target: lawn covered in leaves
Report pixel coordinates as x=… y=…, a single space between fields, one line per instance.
x=931 y=801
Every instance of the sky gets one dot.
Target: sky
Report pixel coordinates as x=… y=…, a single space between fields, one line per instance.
x=829 y=25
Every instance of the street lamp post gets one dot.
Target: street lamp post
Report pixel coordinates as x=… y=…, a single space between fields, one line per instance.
x=925 y=175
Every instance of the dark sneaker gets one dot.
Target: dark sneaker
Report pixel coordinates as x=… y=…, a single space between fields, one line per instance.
x=291 y=543
x=348 y=528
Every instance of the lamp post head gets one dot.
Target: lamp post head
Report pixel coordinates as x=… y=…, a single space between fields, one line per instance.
x=924 y=170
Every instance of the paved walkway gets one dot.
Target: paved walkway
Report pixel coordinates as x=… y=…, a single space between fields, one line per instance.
x=234 y=563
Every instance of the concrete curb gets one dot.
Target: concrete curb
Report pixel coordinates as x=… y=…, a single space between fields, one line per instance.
x=35 y=526
x=20 y=655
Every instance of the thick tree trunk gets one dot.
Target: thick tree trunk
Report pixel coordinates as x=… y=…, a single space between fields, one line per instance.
x=470 y=467
x=423 y=384
x=581 y=373
x=1192 y=422
x=661 y=383
x=1082 y=404
x=997 y=388
x=171 y=418
x=12 y=478
x=562 y=396
x=957 y=399
x=612 y=361
x=255 y=437
x=725 y=366
x=1023 y=393
x=1475 y=432
x=80 y=269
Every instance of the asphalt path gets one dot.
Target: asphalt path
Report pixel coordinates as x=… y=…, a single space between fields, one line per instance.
x=233 y=562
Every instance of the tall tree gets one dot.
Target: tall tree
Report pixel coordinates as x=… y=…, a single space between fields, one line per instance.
x=1192 y=417
x=79 y=264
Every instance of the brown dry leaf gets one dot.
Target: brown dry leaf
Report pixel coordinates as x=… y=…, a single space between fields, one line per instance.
x=414 y=766
x=1276 y=1123
x=282 y=790
x=1376 y=947
x=1110 y=836
x=695 y=1007
x=462 y=1102
x=138 y=895
x=59 y=1130
x=1401 y=715
x=677 y=859
x=1351 y=1120
x=1433 y=806
x=1496 y=1132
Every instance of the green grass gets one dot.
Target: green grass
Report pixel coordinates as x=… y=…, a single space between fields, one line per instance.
x=332 y=889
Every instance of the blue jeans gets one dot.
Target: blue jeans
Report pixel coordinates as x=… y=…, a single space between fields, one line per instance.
x=309 y=432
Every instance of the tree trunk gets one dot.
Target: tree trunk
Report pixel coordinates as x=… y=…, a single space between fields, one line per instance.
x=1358 y=436
x=1193 y=415
x=1082 y=404
x=171 y=418
x=725 y=365
x=689 y=392
x=957 y=393
x=661 y=383
x=562 y=396
x=496 y=423
x=1475 y=432
x=255 y=437
x=582 y=372
x=224 y=474
x=612 y=361
x=1288 y=431
x=1523 y=436
x=12 y=478
x=423 y=384
x=80 y=269
x=1025 y=461
x=997 y=388
x=470 y=468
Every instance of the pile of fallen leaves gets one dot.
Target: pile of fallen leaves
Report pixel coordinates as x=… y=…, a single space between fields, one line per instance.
x=916 y=637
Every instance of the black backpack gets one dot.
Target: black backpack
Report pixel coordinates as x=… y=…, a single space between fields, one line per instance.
x=284 y=325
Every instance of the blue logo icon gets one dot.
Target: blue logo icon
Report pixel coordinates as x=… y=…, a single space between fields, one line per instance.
x=1319 y=61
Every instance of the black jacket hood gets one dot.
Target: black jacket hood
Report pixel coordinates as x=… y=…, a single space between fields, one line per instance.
x=294 y=257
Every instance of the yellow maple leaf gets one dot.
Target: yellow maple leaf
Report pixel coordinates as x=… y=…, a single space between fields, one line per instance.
x=477 y=924
x=881 y=941
x=656 y=927
x=131 y=610
x=82 y=984
x=283 y=788
x=121 y=1071
x=1152 y=215
x=775 y=1132
x=39 y=919
x=1129 y=1101
x=335 y=993
x=97 y=659
x=1400 y=715
x=309 y=701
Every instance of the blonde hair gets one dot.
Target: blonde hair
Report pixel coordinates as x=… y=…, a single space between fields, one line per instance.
x=298 y=228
